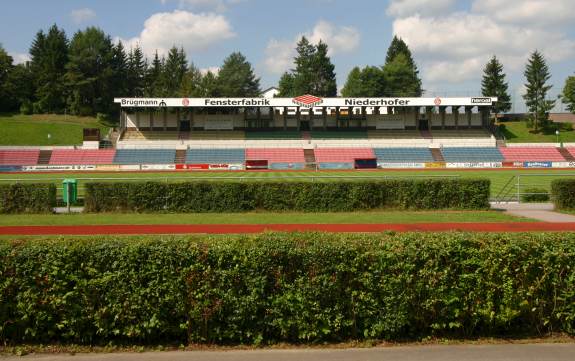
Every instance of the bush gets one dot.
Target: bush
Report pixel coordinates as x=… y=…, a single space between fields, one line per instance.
x=27 y=198
x=26 y=107
x=297 y=196
x=534 y=195
x=563 y=193
x=270 y=288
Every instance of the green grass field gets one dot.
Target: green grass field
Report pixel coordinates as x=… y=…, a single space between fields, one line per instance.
x=517 y=132
x=20 y=129
x=499 y=177
x=262 y=218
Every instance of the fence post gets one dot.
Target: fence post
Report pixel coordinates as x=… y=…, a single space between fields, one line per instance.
x=518 y=186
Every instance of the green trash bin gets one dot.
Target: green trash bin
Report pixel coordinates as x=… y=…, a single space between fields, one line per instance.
x=70 y=191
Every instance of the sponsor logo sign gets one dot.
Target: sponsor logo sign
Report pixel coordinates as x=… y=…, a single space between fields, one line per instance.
x=475 y=165
x=47 y=167
x=400 y=165
x=563 y=165
x=185 y=102
x=10 y=168
x=537 y=164
x=437 y=101
x=158 y=166
x=219 y=166
x=481 y=100
x=435 y=165
x=192 y=166
x=307 y=101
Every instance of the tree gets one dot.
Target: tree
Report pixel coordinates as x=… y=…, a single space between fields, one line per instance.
x=174 y=70
x=537 y=75
x=191 y=83
x=366 y=82
x=494 y=84
x=313 y=73
x=155 y=78
x=286 y=85
x=49 y=56
x=569 y=93
x=89 y=73
x=409 y=74
x=400 y=78
x=324 y=83
x=7 y=100
x=236 y=78
x=137 y=70
x=209 y=85
x=120 y=70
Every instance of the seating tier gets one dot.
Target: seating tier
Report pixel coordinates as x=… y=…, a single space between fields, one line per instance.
x=531 y=154
x=19 y=157
x=145 y=156
x=471 y=154
x=338 y=155
x=215 y=156
x=82 y=156
x=400 y=155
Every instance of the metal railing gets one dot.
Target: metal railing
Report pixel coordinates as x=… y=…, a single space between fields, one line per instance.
x=519 y=186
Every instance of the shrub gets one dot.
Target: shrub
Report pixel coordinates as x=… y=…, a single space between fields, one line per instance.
x=298 y=196
x=563 y=193
x=26 y=107
x=268 y=288
x=534 y=195
x=27 y=198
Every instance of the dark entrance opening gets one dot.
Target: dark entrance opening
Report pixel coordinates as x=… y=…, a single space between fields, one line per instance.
x=304 y=125
x=423 y=124
x=366 y=163
x=184 y=125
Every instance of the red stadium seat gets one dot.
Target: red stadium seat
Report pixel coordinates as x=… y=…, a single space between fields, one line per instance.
x=276 y=155
x=531 y=154
x=19 y=157
x=82 y=156
x=337 y=155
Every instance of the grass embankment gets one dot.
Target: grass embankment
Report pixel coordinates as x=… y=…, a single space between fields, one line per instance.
x=517 y=132
x=374 y=217
x=18 y=129
x=540 y=178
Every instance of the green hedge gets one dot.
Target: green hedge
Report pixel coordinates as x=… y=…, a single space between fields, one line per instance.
x=276 y=196
x=535 y=195
x=269 y=288
x=27 y=198
x=563 y=193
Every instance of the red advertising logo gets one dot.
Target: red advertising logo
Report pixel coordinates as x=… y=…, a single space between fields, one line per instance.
x=307 y=100
x=437 y=101
x=185 y=102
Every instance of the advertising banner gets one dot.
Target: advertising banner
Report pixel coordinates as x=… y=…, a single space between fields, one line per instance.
x=537 y=164
x=435 y=165
x=158 y=166
x=49 y=167
x=388 y=165
x=108 y=167
x=129 y=167
x=192 y=166
x=474 y=165
x=10 y=168
x=563 y=165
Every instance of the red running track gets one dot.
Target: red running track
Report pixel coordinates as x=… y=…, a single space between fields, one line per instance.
x=257 y=228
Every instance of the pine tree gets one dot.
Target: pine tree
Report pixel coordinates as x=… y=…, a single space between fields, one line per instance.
x=154 y=78
x=7 y=99
x=49 y=53
x=191 y=83
x=209 y=85
x=408 y=71
x=537 y=74
x=400 y=78
x=353 y=84
x=236 y=78
x=137 y=70
x=494 y=84
x=324 y=83
x=89 y=73
x=313 y=72
x=569 y=93
x=174 y=69
x=120 y=69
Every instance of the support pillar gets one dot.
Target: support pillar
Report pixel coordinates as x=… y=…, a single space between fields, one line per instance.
x=337 y=117
x=468 y=116
x=298 y=119
x=165 y=117
x=151 y=118
x=442 y=115
x=285 y=118
x=455 y=111
x=178 y=117
x=324 y=116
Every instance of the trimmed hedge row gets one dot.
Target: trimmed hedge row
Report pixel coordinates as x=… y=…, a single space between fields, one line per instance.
x=268 y=288
x=27 y=198
x=563 y=193
x=298 y=196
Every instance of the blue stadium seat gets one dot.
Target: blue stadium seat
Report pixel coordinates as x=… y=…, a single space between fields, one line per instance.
x=403 y=155
x=214 y=156
x=145 y=156
x=471 y=154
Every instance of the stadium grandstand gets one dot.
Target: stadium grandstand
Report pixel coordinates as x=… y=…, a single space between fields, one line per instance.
x=305 y=132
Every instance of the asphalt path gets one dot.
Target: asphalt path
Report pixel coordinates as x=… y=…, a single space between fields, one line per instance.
x=492 y=352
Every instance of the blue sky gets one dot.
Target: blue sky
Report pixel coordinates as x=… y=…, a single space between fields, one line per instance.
x=451 y=40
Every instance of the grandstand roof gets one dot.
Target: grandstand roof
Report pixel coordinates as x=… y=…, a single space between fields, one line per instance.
x=303 y=101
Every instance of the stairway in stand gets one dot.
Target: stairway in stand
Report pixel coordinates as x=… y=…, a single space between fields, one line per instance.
x=44 y=157
x=425 y=134
x=437 y=156
x=309 y=156
x=184 y=135
x=305 y=135
x=180 y=156
x=565 y=153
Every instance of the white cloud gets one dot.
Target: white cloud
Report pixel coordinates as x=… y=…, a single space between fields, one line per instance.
x=213 y=69
x=20 y=58
x=280 y=53
x=402 y=8
x=455 y=48
x=193 y=32
x=529 y=12
x=82 y=15
x=210 y=5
